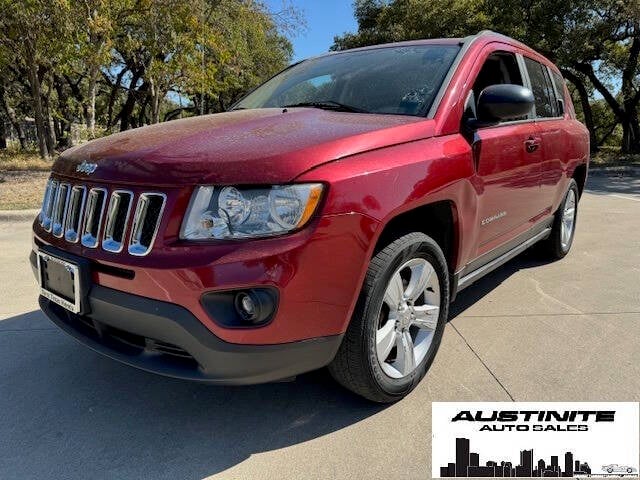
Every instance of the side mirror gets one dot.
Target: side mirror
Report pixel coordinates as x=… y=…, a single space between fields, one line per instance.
x=504 y=102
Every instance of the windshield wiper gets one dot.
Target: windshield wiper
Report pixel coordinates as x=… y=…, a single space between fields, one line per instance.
x=329 y=105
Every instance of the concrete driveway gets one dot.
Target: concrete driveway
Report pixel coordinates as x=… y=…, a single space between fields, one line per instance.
x=530 y=331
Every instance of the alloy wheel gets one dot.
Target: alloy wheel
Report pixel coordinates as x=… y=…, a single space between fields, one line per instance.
x=568 y=219
x=408 y=317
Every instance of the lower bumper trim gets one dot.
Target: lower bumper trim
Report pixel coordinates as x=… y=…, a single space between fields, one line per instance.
x=167 y=339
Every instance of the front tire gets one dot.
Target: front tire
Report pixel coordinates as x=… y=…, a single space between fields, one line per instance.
x=564 y=225
x=398 y=321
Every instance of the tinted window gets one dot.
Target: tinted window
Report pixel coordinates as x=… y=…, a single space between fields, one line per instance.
x=400 y=80
x=542 y=90
x=498 y=68
x=559 y=84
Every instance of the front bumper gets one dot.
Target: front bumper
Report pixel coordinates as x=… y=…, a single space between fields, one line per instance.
x=317 y=273
x=166 y=339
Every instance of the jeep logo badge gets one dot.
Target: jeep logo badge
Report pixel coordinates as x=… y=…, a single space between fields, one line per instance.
x=86 y=167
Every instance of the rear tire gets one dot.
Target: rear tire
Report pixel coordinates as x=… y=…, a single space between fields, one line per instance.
x=398 y=321
x=564 y=225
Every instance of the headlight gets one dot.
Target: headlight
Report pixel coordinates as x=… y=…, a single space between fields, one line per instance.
x=244 y=212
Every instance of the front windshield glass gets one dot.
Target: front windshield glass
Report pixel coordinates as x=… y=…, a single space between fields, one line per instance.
x=397 y=80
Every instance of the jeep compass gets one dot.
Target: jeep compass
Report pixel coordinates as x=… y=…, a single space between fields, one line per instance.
x=328 y=219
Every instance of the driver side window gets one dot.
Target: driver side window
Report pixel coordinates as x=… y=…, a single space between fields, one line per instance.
x=499 y=68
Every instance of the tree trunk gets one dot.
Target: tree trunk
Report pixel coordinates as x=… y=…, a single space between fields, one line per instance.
x=630 y=125
x=63 y=125
x=127 y=108
x=115 y=87
x=36 y=100
x=630 y=131
x=77 y=94
x=586 y=107
x=50 y=127
x=154 y=93
x=11 y=114
x=91 y=101
x=3 y=135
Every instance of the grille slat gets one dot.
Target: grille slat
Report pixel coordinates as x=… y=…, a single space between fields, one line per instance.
x=47 y=204
x=78 y=213
x=74 y=213
x=60 y=209
x=93 y=217
x=47 y=207
x=116 y=222
x=146 y=221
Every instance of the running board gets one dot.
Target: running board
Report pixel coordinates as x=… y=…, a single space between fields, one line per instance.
x=502 y=259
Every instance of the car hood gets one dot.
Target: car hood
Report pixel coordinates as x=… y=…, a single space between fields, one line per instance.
x=246 y=146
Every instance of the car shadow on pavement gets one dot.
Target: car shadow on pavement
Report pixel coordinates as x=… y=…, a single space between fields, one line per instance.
x=606 y=185
x=530 y=258
x=68 y=412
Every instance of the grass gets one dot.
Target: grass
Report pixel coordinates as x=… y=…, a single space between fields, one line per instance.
x=11 y=160
x=611 y=157
x=23 y=176
x=22 y=190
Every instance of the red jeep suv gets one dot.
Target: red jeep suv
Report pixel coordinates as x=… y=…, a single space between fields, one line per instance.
x=328 y=219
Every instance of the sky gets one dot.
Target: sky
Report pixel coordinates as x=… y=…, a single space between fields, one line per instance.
x=325 y=19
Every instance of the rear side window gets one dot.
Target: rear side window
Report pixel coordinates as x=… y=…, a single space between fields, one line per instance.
x=546 y=105
x=559 y=84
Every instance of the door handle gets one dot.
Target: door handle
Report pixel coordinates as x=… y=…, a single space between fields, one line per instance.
x=531 y=144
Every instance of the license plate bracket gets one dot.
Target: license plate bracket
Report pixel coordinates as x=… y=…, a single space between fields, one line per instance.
x=61 y=281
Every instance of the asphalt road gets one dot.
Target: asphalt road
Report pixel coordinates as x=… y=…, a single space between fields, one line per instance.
x=563 y=331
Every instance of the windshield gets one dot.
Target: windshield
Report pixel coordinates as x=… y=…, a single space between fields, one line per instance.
x=397 y=80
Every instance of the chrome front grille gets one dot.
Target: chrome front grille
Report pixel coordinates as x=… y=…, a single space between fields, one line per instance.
x=145 y=224
x=76 y=213
x=59 y=212
x=47 y=204
x=117 y=218
x=93 y=217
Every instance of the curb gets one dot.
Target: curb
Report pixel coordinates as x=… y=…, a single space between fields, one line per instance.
x=18 y=215
x=619 y=171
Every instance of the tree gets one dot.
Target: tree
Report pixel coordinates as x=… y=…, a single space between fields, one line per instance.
x=34 y=33
x=595 y=43
x=131 y=62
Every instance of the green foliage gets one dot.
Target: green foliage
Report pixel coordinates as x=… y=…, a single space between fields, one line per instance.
x=114 y=62
x=595 y=42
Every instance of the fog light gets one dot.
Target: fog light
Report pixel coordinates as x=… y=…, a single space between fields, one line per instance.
x=247 y=308
x=256 y=305
x=247 y=305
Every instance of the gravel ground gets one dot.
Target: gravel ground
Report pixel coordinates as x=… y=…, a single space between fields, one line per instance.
x=20 y=190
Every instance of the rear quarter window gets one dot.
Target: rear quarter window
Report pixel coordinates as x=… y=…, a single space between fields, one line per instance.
x=546 y=105
x=558 y=81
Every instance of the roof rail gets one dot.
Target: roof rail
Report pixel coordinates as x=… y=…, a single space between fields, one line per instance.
x=482 y=33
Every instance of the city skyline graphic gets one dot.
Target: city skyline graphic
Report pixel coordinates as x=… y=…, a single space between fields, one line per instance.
x=467 y=464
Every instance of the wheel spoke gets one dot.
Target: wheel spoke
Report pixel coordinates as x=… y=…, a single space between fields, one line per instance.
x=394 y=295
x=405 y=360
x=426 y=316
x=419 y=281
x=568 y=213
x=385 y=340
